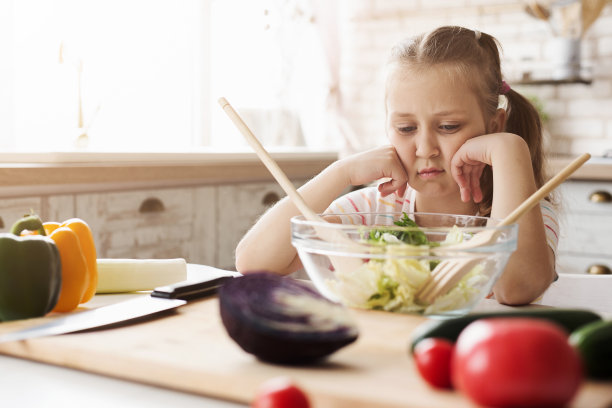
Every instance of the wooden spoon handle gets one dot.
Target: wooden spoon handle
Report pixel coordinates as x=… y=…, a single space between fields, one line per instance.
x=536 y=197
x=269 y=162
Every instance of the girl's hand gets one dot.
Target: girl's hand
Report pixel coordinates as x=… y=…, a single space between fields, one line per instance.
x=375 y=164
x=467 y=166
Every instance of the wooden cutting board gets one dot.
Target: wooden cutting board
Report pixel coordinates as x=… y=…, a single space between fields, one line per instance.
x=188 y=350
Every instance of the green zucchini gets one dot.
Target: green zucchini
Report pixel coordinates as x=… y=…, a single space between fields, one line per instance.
x=570 y=319
x=594 y=343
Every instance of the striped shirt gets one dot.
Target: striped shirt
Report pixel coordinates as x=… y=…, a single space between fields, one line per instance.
x=369 y=200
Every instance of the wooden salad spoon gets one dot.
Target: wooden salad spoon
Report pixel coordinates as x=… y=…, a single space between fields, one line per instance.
x=449 y=272
x=346 y=264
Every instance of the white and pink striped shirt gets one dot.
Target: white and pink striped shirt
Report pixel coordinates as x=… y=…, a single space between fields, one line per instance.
x=369 y=200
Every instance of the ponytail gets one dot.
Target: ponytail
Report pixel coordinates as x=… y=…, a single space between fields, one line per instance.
x=523 y=120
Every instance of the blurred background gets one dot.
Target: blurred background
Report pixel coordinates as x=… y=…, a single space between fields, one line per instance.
x=144 y=75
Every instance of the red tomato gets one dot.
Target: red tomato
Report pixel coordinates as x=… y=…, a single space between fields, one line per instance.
x=280 y=392
x=433 y=359
x=516 y=362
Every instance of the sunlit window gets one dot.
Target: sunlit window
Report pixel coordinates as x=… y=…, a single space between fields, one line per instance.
x=130 y=75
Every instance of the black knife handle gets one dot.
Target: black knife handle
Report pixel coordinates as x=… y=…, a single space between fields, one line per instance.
x=187 y=290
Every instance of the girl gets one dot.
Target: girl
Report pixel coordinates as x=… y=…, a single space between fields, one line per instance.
x=450 y=144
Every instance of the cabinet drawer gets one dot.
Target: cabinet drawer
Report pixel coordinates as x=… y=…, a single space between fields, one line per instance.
x=573 y=263
x=58 y=208
x=12 y=209
x=239 y=208
x=161 y=251
x=577 y=197
x=203 y=249
x=146 y=222
x=586 y=233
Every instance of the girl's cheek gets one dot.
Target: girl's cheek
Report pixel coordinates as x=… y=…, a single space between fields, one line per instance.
x=406 y=159
x=456 y=146
x=400 y=143
x=393 y=137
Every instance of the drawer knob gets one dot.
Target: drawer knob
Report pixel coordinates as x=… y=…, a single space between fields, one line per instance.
x=598 y=269
x=270 y=199
x=151 y=205
x=600 y=196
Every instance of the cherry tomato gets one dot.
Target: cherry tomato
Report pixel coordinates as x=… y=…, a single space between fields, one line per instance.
x=516 y=362
x=280 y=392
x=433 y=359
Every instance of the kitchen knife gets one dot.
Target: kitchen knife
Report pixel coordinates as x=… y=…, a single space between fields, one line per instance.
x=161 y=299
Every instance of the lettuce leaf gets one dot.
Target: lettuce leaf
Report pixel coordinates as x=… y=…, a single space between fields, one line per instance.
x=391 y=284
x=413 y=236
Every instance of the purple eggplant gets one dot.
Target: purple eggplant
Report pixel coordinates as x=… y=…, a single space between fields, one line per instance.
x=282 y=320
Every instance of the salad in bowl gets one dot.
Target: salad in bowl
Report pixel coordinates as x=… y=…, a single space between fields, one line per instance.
x=392 y=256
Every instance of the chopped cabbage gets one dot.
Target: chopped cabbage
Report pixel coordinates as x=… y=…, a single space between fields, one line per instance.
x=391 y=284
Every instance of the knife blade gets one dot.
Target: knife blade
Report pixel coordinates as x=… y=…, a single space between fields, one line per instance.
x=161 y=299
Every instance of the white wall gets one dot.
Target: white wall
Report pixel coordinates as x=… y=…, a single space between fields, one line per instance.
x=580 y=115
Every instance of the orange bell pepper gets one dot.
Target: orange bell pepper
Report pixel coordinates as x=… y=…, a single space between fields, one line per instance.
x=79 y=264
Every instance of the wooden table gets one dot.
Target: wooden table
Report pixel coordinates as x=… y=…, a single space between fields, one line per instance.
x=188 y=351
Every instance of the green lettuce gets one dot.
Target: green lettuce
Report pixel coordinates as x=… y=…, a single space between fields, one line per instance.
x=391 y=283
x=412 y=236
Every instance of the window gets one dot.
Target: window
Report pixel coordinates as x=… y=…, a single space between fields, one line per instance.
x=146 y=74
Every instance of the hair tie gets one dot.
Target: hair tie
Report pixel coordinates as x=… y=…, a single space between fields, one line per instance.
x=477 y=34
x=504 y=88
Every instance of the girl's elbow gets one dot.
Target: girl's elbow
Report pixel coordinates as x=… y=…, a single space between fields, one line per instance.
x=513 y=298
x=246 y=263
x=520 y=293
x=245 y=257
x=241 y=265
x=245 y=266
x=243 y=261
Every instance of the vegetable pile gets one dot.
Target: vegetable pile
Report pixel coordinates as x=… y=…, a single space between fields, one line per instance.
x=282 y=320
x=391 y=283
x=46 y=267
x=518 y=358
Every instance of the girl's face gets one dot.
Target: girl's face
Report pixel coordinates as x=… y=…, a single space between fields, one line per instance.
x=429 y=116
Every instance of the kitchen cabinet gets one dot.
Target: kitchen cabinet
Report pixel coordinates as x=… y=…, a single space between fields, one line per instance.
x=239 y=206
x=12 y=209
x=55 y=208
x=160 y=223
x=202 y=224
x=195 y=205
x=586 y=222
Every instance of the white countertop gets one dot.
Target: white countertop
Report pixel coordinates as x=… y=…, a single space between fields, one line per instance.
x=31 y=384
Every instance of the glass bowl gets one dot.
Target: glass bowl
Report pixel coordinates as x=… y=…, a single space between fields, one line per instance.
x=367 y=260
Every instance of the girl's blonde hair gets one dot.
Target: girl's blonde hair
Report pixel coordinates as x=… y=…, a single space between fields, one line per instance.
x=474 y=56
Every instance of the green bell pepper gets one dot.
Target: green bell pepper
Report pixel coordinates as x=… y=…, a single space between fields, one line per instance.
x=30 y=271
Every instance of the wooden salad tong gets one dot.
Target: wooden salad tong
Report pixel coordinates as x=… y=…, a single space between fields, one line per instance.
x=449 y=272
x=346 y=264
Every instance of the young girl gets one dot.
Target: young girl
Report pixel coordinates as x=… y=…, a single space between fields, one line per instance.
x=452 y=150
